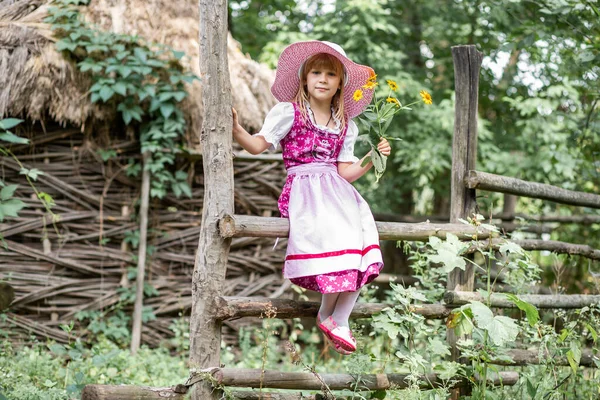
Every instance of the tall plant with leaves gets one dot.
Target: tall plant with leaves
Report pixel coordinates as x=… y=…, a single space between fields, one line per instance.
x=145 y=82
x=9 y=204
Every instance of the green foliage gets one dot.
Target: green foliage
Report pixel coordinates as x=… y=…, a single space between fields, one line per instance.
x=10 y=206
x=59 y=372
x=145 y=82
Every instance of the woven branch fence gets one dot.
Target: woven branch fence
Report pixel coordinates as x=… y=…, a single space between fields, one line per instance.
x=80 y=263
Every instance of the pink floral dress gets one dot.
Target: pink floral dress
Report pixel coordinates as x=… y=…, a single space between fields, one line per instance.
x=333 y=243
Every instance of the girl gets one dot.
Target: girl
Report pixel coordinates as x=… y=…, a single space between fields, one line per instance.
x=333 y=245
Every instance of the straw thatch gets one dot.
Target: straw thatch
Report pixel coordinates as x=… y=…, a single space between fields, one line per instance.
x=80 y=263
x=39 y=83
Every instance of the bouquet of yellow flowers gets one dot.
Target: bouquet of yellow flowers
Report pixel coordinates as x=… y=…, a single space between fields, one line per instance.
x=379 y=115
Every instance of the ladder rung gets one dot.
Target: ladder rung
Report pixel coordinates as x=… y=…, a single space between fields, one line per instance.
x=532 y=357
x=255 y=378
x=254 y=395
x=237 y=307
x=248 y=225
x=457 y=298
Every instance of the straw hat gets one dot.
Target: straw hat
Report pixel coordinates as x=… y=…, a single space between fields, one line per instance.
x=287 y=79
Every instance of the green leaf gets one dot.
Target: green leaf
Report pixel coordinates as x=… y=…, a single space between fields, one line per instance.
x=46 y=198
x=120 y=88
x=141 y=54
x=461 y=320
x=447 y=253
x=106 y=93
x=10 y=208
x=501 y=329
x=531 y=390
x=49 y=384
x=9 y=123
x=63 y=44
x=58 y=349
x=482 y=315
x=592 y=332
x=7 y=192
x=32 y=173
x=167 y=109
x=574 y=355
x=178 y=54
x=179 y=96
x=586 y=56
x=384 y=322
x=530 y=311
x=12 y=138
x=437 y=347
x=510 y=247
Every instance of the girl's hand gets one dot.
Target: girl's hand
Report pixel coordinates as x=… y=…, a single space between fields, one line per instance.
x=384 y=147
x=236 y=124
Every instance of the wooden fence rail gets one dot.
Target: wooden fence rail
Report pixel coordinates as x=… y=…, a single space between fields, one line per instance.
x=456 y=298
x=548 y=245
x=504 y=184
x=238 y=307
x=255 y=378
x=252 y=226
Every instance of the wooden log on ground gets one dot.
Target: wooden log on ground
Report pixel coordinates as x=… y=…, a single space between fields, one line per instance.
x=549 y=245
x=254 y=378
x=129 y=392
x=238 y=307
x=252 y=226
x=7 y=295
x=457 y=298
x=505 y=184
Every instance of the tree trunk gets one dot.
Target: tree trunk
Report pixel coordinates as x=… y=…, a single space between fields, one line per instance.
x=215 y=138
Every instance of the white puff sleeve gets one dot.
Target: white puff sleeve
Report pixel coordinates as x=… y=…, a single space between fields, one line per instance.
x=347 y=152
x=278 y=123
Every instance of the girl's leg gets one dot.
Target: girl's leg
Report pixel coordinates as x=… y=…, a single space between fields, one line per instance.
x=328 y=301
x=343 y=307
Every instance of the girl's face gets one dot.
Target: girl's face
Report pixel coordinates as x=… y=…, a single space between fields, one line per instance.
x=322 y=83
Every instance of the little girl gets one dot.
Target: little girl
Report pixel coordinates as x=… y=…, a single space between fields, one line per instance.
x=333 y=245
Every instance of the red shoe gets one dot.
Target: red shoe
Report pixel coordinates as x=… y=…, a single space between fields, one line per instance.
x=340 y=336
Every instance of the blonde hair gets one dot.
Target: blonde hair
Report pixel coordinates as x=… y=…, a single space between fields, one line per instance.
x=322 y=61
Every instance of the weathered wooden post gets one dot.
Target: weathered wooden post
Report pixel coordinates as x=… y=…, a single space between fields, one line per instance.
x=467 y=62
x=215 y=138
x=136 y=333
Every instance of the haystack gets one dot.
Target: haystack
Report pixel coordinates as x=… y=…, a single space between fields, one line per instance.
x=39 y=83
x=79 y=268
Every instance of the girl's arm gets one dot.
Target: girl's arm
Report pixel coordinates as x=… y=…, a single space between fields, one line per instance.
x=353 y=171
x=252 y=144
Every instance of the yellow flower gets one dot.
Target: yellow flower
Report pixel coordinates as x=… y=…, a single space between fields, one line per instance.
x=393 y=100
x=372 y=78
x=393 y=85
x=370 y=85
x=357 y=95
x=425 y=96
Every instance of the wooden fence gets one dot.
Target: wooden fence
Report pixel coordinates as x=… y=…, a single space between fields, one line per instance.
x=219 y=225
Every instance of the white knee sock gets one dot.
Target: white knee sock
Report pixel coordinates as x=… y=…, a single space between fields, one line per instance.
x=344 y=306
x=328 y=301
